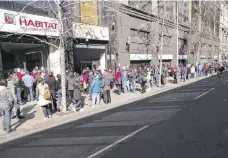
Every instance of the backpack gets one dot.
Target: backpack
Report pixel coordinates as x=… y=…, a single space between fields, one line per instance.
x=47 y=94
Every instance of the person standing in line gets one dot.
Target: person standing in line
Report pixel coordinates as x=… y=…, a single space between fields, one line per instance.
x=35 y=73
x=18 y=85
x=70 y=86
x=59 y=92
x=131 y=76
x=156 y=75
x=95 y=89
x=16 y=106
x=206 y=67
x=152 y=77
x=77 y=96
x=128 y=82
x=91 y=78
x=118 y=77
x=85 y=79
x=177 y=72
x=193 y=71
x=6 y=104
x=124 y=80
x=51 y=82
x=28 y=82
x=20 y=74
x=106 y=85
x=41 y=101
x=185 y=72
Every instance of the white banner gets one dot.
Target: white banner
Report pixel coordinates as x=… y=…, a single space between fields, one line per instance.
x=21 y=23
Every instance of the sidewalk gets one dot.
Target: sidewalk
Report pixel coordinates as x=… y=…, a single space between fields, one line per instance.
x=34 y=119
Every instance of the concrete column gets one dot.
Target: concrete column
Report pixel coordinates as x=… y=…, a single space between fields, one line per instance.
x=103 y=62
x=1 y=65
x=54 y=58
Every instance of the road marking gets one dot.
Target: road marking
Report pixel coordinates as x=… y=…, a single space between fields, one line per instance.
x=204 y=93
x=186 y=90
x=161 y=101
x=226 y=81
x=117 y=142
x=157 y=107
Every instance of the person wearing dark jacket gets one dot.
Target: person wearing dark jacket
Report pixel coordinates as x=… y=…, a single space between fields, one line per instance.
x=77 y=96
x=51 y=82
x=59 y=91
x=70 y=81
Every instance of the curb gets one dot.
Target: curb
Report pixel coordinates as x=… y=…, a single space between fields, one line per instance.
x=71 y=117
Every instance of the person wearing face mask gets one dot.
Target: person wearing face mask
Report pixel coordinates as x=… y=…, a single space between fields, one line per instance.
x=41 y=101
x=95 y=90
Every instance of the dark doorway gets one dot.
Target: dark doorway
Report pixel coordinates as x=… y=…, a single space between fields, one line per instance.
x=33 y=59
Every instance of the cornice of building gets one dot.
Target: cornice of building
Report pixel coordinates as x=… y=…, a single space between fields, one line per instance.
x=150 y=17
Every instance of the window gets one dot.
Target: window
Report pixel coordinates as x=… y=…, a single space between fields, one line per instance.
x=140 y=34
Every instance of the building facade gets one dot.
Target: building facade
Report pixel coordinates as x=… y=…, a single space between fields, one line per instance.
x=204 y=35
x=223 y=31
x=139 y=32
x=27 y=37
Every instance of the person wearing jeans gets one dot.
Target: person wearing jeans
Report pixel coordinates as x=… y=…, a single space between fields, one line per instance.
x=28 y=82
x=118 y=77
x=12 y=79
x=6 y=103
x=19 y=91
x=95 y=90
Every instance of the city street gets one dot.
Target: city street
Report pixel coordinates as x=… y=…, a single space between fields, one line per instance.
x=186 y=122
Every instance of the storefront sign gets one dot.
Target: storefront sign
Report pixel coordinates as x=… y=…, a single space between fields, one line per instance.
x=91 y=32
x=91 y=46
x=140 y=56
x=21 y=23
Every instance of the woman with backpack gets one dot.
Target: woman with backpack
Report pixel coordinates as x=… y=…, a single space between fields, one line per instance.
x=43 y=97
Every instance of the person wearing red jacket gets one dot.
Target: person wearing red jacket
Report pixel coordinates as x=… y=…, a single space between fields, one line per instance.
x=20 y=74
x=118 y=77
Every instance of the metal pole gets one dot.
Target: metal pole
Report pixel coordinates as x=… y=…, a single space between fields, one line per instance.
x=62 y=56
x=161 y=46
x=177 y=15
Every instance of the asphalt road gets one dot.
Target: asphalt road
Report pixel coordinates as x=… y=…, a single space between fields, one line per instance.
x=187 y=122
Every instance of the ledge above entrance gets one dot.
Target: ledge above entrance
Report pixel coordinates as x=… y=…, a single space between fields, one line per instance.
x=85 y=31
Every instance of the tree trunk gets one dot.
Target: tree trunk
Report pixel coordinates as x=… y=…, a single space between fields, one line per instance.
x=62 y=57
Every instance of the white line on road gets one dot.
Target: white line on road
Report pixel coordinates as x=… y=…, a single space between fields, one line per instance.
x=117 y=142
x=226 y=81
x=157 y=107
x=186 y=90
x=204 y=93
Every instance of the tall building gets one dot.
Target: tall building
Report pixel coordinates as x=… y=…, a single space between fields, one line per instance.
x=223 y=31
x=139 y=32
x=204 y=34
